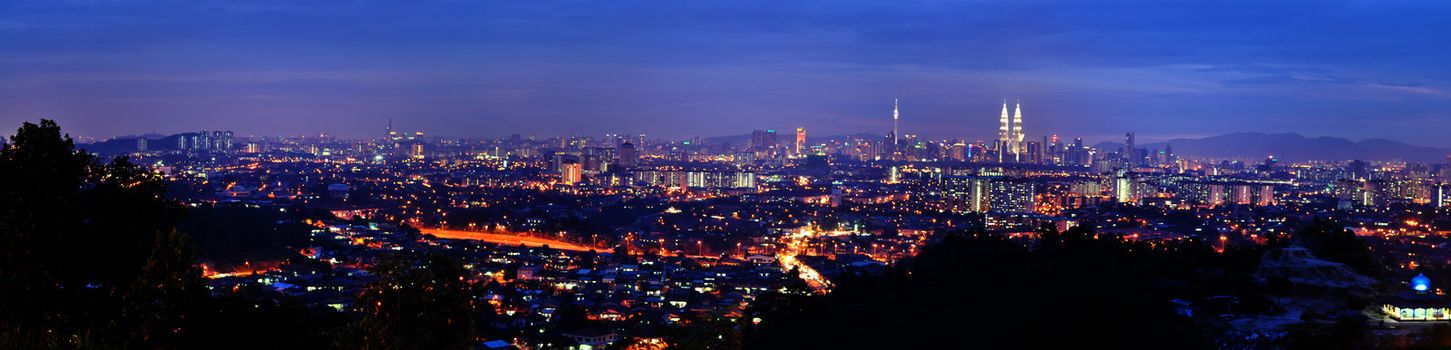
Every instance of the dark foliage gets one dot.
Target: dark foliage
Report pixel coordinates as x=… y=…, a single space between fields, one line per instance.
x=1072 y=290
x=427 y=306
x=90 y=253
x=1333 y=242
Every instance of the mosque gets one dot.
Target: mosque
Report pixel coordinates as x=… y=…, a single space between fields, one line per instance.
x=1418 y=304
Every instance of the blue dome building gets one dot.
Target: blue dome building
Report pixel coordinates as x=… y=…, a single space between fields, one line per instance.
x=1420 y=283
x=1418 y=304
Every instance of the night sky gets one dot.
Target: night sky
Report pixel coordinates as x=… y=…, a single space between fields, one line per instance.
x=1164 y=69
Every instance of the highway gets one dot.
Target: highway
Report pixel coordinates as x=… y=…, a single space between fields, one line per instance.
x=505 y=239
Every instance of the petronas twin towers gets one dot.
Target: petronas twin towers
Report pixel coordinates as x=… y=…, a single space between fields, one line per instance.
x=1010 y=133
x=1009 y=147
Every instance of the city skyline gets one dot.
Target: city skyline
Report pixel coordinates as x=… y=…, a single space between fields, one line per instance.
x=1341 y=69
x=648 y=175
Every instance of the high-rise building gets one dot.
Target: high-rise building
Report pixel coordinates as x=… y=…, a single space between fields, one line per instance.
x=571 y=172
x=1005 y=133
x=220 y=140
x=763 y=140
x=1018 y=134
x=970 y=192
x=1034 y=152
x=1129 y=153
x=1010 y=145
x=1123 y=187
x=1011 y=196
x=800 y=140
x=628 y=156
x=388 y=133
x=958 y=151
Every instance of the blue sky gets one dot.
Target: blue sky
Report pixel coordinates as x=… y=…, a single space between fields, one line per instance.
x=1092 y=69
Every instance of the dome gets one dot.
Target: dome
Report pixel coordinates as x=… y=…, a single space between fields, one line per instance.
x=1420 y=283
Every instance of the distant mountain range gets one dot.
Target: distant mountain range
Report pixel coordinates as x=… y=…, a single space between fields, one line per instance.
x=1294 y=147
x=129 y=143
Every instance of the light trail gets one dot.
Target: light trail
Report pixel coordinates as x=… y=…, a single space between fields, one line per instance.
x=787 y=257
x=505 y=239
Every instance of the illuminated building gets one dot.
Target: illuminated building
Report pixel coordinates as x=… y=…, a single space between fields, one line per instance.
x=570 y=172
x=696 y=178
x=764 y=143
x=800 y=140
x=1010 y=146
x=1005 y=133
x=1034 y=152
x=971 y=192
x=1128 y=152
x=1417 y=304
x=1018 y=134
x=1011 y=196
x=957 y=152
x=1123 y=188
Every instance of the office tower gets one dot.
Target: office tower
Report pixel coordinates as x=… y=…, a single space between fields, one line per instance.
x=763 y=140
x=1017 y=129
x=1169 y=154
x=1129 y=153
x=628 y=156
x=141 y=144
x=1011 y=196
x=570 y=172
x=800 y=140
x=1004 y=134
x=971 y=192
x=1123 y=188
x=958 y=151
x=1034 y=152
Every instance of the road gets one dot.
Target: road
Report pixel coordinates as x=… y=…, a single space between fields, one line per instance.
x=505 y=239
x=794 y=245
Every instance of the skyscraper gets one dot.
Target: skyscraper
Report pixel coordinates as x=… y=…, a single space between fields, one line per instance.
x=1129 y=153
x=628 y=156
x=763 y=140
x=570 y=172
x=800 y=140
x=1018 y=134
x=1010 y=134
x=1004 y=134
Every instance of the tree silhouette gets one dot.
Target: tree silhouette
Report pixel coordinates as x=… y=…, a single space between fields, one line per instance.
x=90 y=248
x=1066 y=290
x=1333 y=242
x=423 y=306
